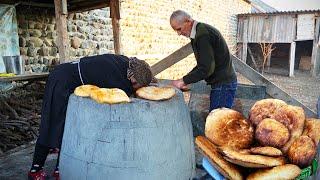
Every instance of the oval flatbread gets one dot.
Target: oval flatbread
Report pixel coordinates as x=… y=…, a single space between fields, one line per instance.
x=249 y=160
x=284 y=172
x=156 y=93
x=267 y=150
x=226 y=168
x=109 y=96
x=85 y=90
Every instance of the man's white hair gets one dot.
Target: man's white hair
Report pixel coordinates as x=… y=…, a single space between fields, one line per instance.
x=180 y=16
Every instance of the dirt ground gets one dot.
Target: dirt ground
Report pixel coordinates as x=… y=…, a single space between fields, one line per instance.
x=302 y=86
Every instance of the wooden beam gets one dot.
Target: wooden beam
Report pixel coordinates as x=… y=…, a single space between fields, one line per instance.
x=292 y=58
x=25 y=77
x=87 y=6
x=62 y=40
x=253 y=60
x=173 y=58
x=115 y=16
x=271 y=89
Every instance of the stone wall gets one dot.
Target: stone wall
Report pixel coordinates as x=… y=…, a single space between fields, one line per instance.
x=144 y=30
x=90 y=33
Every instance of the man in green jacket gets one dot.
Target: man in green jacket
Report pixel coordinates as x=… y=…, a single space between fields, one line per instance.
x=214 y=63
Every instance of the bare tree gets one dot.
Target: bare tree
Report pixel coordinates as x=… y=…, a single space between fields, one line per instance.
x=266 y=49
x=236 y=49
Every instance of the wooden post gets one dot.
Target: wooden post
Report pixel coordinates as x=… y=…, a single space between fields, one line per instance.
x=315 y=58
x=244 y=52
x=61 y=21
x=115 y=16
x=292 y=58
x=245 y=40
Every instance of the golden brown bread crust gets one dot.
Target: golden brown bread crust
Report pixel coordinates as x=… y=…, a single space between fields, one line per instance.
x=109 y=96
x=263 y=109
x=312 y=129
x=226 y=168
x=302 y=151
x=156 y=93
x=85 y=90
x=293 y=118
x=249 y=160
x=267 y=150
x=283 y=172
x=227 y=127
x=270 y=132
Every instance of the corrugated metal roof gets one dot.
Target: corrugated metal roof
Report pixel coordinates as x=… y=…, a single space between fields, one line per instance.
x=282 y=12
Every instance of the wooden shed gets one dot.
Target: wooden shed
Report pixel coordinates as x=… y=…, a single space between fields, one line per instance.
x=293 y=34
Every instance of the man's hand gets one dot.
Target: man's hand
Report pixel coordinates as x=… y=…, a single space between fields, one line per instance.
x=179 y=84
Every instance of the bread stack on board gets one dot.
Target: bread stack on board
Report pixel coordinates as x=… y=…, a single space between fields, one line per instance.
x=273 y=143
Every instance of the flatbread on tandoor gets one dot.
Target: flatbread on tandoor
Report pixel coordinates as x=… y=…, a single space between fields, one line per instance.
x=85 y=90
x=156 y=93
x=109 y=96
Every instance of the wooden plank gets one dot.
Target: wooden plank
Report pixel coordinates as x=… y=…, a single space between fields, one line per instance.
x=173 y=58
x=253 y=60
x=292 y=59
x=61 y=22
x=271 y=89
x=115 y=16
x=25 y=77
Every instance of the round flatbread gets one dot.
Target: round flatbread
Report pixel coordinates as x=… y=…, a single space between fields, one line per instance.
x=109 y=96
x=312 y=129
x=156 y=93
x=302 y=151
x=283 y=172
x=85 y=90
x=249 y=160
x=263 y=109
x=267 y=150
x=227 y=127
x=293 y=117
x=270 y=132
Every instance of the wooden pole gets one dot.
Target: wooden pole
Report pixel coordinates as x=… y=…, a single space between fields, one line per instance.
x=62 y=33
x=315 y=57
x=115 y=16
x=292 y=58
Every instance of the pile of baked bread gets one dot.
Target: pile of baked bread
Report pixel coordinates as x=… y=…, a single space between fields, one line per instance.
x=115 y=95
x=275 y=142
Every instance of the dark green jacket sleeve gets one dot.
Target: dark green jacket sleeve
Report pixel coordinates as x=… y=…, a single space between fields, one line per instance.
x=205 y=61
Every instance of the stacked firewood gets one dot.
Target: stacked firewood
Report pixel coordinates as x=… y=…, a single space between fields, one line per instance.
x=20 y=111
